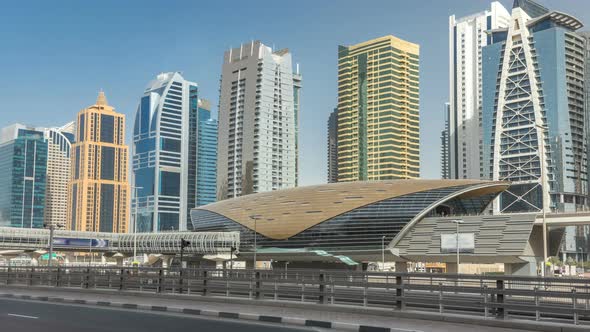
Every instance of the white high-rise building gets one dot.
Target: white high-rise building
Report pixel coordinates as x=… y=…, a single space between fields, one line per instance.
x=467 y=36
x=258 y=121
x=445 y=172
x=59 y=145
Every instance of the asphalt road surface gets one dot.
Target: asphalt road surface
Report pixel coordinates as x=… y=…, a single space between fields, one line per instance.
x=31 y=316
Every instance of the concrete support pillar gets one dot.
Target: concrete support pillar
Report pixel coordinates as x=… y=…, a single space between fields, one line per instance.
x=119 y=261
x=401 y=267
x=452 y=268
x=166 y=261
x=527 y=269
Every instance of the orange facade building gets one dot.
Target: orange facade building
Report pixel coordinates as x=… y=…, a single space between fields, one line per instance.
x=99 y=186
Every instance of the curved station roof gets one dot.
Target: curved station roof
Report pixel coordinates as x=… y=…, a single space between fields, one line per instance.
x=305 y=213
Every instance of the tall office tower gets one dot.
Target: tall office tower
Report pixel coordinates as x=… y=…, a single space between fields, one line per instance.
x=23 y=165
x=206 y=155
x=297 y=85
x=467 y=37
x=445 y=171
x=378 y=110
x=586 y=36
x=333 y=147
x=59 y=144
x=165 y=147
x=98 y=195
x=258 y=121
x=534 y=117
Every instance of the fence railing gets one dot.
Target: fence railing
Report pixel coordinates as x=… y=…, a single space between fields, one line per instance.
x=551 y=299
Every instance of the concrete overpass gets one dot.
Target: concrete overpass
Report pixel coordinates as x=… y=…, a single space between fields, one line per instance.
x=565 y=219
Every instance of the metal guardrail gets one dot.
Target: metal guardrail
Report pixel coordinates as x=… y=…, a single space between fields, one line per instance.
x=550 y=299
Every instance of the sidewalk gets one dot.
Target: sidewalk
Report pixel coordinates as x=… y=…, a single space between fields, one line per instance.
x=292 y=313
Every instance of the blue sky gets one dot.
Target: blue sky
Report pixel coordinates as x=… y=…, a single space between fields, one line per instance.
x=56 y=55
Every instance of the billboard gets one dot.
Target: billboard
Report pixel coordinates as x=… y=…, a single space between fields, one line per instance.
x=448 y=243
x=79 y=243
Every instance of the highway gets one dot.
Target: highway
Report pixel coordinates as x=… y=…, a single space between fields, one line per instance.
x=31 y=316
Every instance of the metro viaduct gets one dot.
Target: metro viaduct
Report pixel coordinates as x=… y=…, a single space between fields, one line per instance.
x=34 y=242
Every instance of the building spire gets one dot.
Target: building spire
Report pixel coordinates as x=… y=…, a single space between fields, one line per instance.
x=102 y=99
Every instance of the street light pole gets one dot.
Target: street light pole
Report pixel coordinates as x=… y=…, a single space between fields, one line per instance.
x=51 y=228
x=135 y=225
x=543 y=166
x=255 y=218
x=457 y=222
x=383 y=253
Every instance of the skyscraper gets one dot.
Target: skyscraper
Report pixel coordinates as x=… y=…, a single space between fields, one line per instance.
x=378 y=110
x=333 y=146
x=174 y=150
x=467 y=37
x=59 y=144
x=535 y=124
x=445 y=171
x=258 y=121
x=99 y=189
x=206 y=155
x=23 y=165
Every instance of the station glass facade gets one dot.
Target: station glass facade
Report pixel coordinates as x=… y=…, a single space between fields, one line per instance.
x=361 y=228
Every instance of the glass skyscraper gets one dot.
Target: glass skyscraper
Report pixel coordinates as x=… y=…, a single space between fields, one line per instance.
x=23 y=165
x=166 y=160
x=206 y=156
x=534 y=118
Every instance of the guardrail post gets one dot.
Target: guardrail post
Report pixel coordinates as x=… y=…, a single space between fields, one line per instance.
x=257 y=291
x=574 y=300
x=87 y=284
x=399 y=292
x=485 y=301
x=537 y=312
x=58 y=277
x=8 y=272
x=322 y=297
x=500 y=312
x=276 y=296
x=180 y=279
x=332 y=295
x=122 y=280
x=302 y=290
x=204 y=282
x=31 y=276
x=440 y=298
x=160 y=281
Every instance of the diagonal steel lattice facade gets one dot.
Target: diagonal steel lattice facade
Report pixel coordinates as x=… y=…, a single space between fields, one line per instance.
x=534 y=72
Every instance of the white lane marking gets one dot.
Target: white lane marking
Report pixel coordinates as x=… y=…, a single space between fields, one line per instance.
x=23 y=316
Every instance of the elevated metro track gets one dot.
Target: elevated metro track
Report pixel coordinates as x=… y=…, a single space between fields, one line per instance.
x=147 y=243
